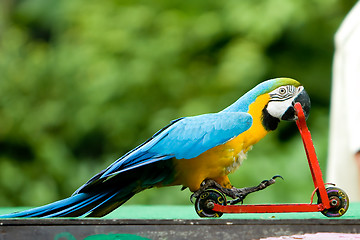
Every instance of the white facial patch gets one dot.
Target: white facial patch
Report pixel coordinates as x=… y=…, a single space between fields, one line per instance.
x=278 y=108
x=281 y=100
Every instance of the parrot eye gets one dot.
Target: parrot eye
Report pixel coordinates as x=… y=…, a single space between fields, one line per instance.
x=282 y=91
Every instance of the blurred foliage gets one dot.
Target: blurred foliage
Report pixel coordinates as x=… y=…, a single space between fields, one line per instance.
x=83 y=82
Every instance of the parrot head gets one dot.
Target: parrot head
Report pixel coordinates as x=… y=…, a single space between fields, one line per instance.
x=283 y=95
x=274 y=100
x=283 y=99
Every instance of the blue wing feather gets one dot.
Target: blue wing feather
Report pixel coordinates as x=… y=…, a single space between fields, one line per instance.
x=192 y=136
x=184 y=138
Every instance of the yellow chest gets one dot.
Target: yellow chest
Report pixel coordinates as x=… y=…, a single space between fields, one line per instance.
x=226 y=158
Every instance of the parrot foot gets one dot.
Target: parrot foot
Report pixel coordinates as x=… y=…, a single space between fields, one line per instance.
x=238 y=194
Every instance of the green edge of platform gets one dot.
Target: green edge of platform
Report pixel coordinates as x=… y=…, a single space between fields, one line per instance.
x=188 y=212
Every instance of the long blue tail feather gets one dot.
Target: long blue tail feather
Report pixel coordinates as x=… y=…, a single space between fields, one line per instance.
x=81 y=204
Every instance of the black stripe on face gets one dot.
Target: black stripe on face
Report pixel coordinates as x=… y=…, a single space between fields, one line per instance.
x=269 y=122
x=275 y=99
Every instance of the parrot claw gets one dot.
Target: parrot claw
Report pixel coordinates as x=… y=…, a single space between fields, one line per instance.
x=192 y=198
x=277 y=176
x=270 y=181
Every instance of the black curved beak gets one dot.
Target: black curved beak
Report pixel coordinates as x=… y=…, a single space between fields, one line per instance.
x=302 y=98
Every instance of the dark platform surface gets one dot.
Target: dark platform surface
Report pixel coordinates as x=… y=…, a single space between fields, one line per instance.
x=177 y=222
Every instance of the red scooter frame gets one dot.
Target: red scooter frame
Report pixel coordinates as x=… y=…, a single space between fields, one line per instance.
x=332 y=201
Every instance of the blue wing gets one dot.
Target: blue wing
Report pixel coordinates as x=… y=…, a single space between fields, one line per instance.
x=184 y=138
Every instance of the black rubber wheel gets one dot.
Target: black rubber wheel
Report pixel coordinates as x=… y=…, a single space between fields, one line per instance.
x=339 y=202
x=204 y=203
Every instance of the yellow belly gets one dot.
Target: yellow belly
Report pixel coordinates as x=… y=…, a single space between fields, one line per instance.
x=219 y=161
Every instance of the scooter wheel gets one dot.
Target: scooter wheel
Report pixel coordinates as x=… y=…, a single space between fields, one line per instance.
x=205 y=202
x=339 y=202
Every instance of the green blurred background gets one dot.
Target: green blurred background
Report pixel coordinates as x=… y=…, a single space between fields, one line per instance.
x=83 y=82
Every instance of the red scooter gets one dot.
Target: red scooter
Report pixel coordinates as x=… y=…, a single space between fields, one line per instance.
x=332 y=201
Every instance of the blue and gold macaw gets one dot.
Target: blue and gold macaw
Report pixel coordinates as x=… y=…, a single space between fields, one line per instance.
x=193 y=152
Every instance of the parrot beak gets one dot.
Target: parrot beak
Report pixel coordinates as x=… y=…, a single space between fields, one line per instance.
x=302 y=98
